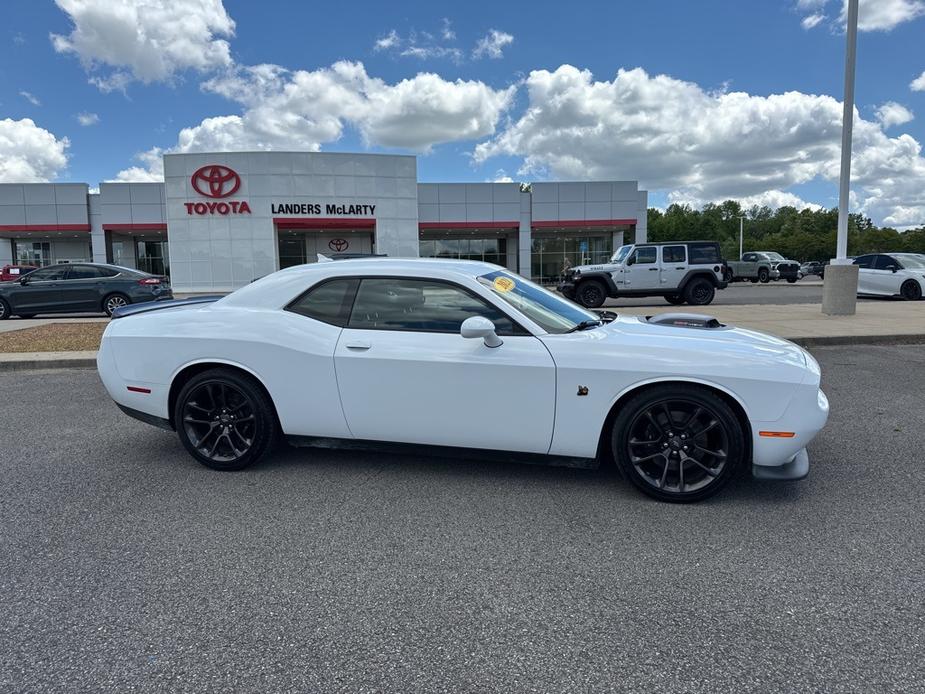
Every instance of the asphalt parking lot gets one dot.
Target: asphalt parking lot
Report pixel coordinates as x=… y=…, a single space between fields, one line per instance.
x=125 y=566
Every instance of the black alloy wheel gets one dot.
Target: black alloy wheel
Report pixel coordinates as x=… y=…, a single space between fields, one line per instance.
x=114 y=301
x=699 y=292
x=764 y=276
x=675 y=299
x=591 y=294
x=4 y=309
x=678 y=442
x=911 y=290
x=225 y=419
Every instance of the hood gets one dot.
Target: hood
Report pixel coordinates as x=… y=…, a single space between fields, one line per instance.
x=600 y=267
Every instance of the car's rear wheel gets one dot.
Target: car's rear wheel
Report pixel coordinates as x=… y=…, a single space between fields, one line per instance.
x=763 y=276
x=225 y=419
x=911 y=290
x=699 y=292
x=114 y=301
x=591 y=293
x=675 y=299
x=678 y=442
x=4 y=310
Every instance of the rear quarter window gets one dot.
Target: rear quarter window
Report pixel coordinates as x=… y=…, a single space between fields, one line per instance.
x=328 y=302
x=704 y=253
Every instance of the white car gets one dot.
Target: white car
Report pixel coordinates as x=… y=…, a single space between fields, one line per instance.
x=465 y=355
x=894 y=274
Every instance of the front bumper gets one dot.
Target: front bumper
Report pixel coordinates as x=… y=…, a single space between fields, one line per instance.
x=796 y=469
x=566 y=288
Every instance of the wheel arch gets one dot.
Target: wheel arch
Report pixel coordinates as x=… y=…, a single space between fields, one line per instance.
x=735 y=403
x=696 y=274
x=183 y=374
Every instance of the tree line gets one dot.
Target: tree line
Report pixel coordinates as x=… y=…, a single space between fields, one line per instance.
x=796 y=234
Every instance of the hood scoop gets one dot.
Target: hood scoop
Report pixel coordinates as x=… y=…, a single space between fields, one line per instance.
x=686 y=320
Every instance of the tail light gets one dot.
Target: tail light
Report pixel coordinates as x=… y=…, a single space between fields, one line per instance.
x=149 y=280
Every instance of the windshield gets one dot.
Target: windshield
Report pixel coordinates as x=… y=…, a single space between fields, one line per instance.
x=620 y=255
x=773 y=256
x=912 y=262
x=550 y=311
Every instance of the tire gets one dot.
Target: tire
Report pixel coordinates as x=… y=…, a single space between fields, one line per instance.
x=675 y=299
x=4 y=310
x=764 y=276
x=910 y=290
x=655 y=462
x=114 y=301
x=728 y=275
x=225 y=419
x=699 y=292
x=792 y=280
x=591 y=293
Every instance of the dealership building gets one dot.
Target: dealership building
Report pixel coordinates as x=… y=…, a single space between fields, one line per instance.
x=220 y=220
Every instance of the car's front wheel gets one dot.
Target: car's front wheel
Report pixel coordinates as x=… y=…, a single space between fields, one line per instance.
x=114 y=301
x=678 y=442
x=911 y=290
x=225 y=419
x=699 y=292
x=591 y=293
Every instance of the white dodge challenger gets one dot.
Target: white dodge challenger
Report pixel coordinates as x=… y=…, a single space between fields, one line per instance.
x=464 y=355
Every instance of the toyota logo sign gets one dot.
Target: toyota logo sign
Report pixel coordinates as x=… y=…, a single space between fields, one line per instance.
x=338 y=245
x=215 y=181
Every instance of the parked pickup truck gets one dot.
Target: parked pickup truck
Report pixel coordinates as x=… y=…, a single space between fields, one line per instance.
x=762 y=266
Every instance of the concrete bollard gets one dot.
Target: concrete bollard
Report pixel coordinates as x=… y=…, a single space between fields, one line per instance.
x=840 y=291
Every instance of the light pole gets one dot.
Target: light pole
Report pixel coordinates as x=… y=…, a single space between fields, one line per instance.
x=840 y=291
x=741 y=227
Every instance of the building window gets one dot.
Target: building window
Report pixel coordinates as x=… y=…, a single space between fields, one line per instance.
x=36 y=253
x=551 y=255
x=490 y=250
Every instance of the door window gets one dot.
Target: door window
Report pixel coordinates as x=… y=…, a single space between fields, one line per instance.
x=865 y=262
x=56 y=272
x=645 y=256
x=885 y=262
x=674 y=254
x=328 y=302
x=749 y=258
x=83 y=272
x=420 y=305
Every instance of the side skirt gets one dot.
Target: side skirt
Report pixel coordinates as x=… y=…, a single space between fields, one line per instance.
x=441 y=451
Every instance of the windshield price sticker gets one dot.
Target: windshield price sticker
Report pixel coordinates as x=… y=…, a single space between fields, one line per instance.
x=503 y=284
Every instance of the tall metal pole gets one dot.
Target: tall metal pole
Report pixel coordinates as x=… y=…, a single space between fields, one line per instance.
x=840 y=291
x=844 y=182
x=741 y=224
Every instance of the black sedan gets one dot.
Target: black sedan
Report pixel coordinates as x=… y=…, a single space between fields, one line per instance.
x=80 y=288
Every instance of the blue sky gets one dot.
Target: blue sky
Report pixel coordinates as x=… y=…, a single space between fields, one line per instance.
x=709 y=129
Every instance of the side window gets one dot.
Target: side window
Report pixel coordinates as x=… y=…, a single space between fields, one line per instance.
x=865 y=262
x=107 y=271
x=749 y=257
x=57 y=272
x=83 y=272
x=704 y=253
x=328 y=302
x=645 y=256
x=420 y=305
x=885 y=262
x=674 y=254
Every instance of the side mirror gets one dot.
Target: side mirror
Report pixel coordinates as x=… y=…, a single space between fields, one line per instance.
x=631 y=260
x=894 y=268
x=24 y=280
x=479 y=326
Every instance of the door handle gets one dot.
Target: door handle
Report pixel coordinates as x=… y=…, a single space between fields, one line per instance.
x=681 y=268
x=358 y=345
x=653 y=269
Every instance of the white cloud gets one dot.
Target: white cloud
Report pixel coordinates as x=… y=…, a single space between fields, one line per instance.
x=390 y=40
x=492 y=44
x=422 y=45
x=150 y=171
x=31 y=98
x=891 y=113
x=918 y=84
x=770 y=198
x=812 y=20
x=87 y=119
x=447 y=31
x=146 y=40
x=29 y=153
x=810 y=4
x=675 y=136
x=883 y=15
x=303 y=109
x=500 y=176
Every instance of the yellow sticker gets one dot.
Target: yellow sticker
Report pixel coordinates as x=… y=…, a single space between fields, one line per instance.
x=503 y=284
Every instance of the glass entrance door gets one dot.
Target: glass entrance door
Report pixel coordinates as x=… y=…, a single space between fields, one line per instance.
x=152 y=256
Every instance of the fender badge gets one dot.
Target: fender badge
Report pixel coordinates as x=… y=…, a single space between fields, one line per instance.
x=582 y=390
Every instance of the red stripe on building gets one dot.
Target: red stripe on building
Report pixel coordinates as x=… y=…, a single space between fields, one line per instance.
x=468 y=225
x=324 y=223
x=582 y=223
x=135 y=227
x=44 y=227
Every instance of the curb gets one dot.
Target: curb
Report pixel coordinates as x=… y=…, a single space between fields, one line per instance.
x=38 y=364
